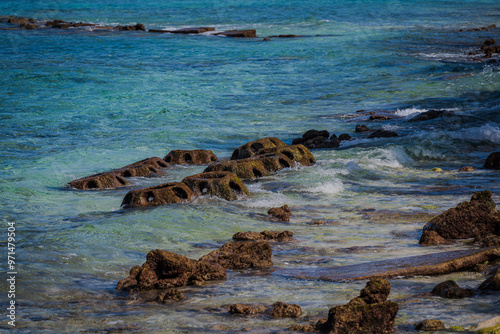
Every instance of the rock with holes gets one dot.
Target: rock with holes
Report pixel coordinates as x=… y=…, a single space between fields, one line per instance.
x=164 y=270
x=265 y=235
x=108 y=180
x=168 y=193
x=143 y=168
x=250 y=149
x=298 y=153
x=254 y=167
x=242 y=255
x=223 y=184
x=191 y=157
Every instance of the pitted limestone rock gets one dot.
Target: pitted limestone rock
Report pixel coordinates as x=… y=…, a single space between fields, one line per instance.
x=298 y=153
x=222 y=184
x=168 y=193
x=191 y=157
x=250 y=149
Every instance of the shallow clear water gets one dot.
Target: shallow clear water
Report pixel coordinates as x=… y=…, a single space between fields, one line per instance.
x=77 y=102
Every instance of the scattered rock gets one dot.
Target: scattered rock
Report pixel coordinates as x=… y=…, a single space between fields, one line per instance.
x=430 y=325
x=163 y=270
x=168 y=193
x=315 y=139
x=198 y=30
x=492 y=161
x=310 y=134
x=283 y=213
x=108 y=180
x=225 y=185
x=280 y=236
x=493 y=282
x=191 y=157
x=241 y=255
x=436 y=169
x=344 y=136
x=487 y=42
x=380 y=118
x=382 y=133
x=247 y=33
x=246 y=309
x=285 y=36
x=298 y=153
x=432 y=238
x=282 y=310
x=250 y=149
x=474 y=219
x=486 y=28
x=431 y=114
x=467 y=169
x=137 y=27
x=450 y=289
x=361 y=128
x=20 y=20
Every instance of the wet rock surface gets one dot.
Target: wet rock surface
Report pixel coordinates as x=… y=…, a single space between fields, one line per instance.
x=283 y=310
x=168 y=193
x=251 y=148
x=298 y=153
x=282 y=213
x=241 y=255
x=225 y=185
x=280 y=236
x=191 y=157
x=492 y=161
x=247 y=309
x=430 y=325
x=432 y=238
x=246 y=33
x=492 y=283
x=450 y=289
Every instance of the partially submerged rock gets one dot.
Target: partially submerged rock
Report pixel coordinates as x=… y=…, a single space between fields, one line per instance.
x=432 y=238
x=450 y=289
x=283 y=310
x=382 y=134
x=467 y=169
x=241 y=255
x=315 y=139
x=283 y=213
x=247 y=309
x=170 y=296
x=493 y=282
x=168 y=193
x=298 y=153
x=246 y=33
x=143 y=168
x=251 y=148
x=474 y=219
x=265 y=235
x=431 y=114
x=361 y=128
x=225 y=185
x=191 y=157
x=197 y=30
x=430 y=325
x=492 y=161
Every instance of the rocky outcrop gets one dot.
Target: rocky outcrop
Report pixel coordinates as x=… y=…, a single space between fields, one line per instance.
x=251 y=148
x=431 y=114
x=197 y=30
x=432 y=238
x=241 y=255
x=492 y=161
x=283 y=213
x=298 y=153
x=280 y=236
x=315 y=139
x=466 y=169
x=474 y=219
x=168 y=193
x=163 y=270
x=190 y=157
x=382 y=134
x=136 y=27
x=430 y=325
x=450 y=289
x=283 y=310
x=246 y=33
x=361 y=128
x=493 y=282
x=225 y=185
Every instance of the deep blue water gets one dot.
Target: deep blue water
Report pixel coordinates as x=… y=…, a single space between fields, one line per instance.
x=82 y=101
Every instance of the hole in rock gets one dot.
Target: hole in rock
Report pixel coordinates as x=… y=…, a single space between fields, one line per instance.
x=179 y=192
x=127 y=173
x=92 y=184
x=288 y=154
x=168 y=158
x=188 y=158
x=150 y=197
x=235 y=186
x=122 y=181
x=284 y=163
x=257 y=172
x=256 y=146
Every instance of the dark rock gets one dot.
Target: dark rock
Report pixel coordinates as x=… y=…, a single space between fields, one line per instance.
x=487 y=42
x=466 y=169
x=382 y=134
x=129 y=283
x=492 y=161
x=198 y=30
x=19 y=20
x=473 y=219
x=310 y=134
x=108 y=180
x=137 y=27
x=344 y=136
x=492 y=283
x=321 y=142
x=285 y=36
x=160 y=31
x=361 y=128
x=489 y=240
x=282 y=310
x=246 y=309
x=191 y=157
x=250 y=149
x=170 y=296
x=431 y=114
x=29 y=26
x=225 y=185
x=168 y=193
x=430 y=325
x=432 y=238
x=380 y=118
x=164 y=270
x=265 y=235
x=490 y=50
x=298 y=153
x=282 y=213
x=375 y=291
x=241 y=255
x=297 y=141
x=450 y=289
x=248 y=33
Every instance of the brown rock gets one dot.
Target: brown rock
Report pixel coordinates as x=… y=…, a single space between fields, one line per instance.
x=198 y=30
x=450 y=289
x=248 y=33
x=280 y=236
x=282 y=310
x=283 y=213
x=225 y=185
x=489 y=241
x=430 y=325
x=143 y=168
x=380 y=118
x=108 y=180
x=137 y=27
x=466 y=169
x=493 y=161
x=163 y=270
x=250 y=149
x=129 y=283
x=376 y=291
x=160 y=31
x=18 y=20
x=246 y=309
x=191 y=157
x=170 y=296
x=473 y=219
x=168 y=193
x=241 y=255
x=298 y=153
x=432 y=238
x=492 y=283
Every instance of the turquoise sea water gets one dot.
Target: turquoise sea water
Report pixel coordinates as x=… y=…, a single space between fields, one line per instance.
x=81 y=101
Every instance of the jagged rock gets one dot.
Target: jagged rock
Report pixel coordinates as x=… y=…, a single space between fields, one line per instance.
x=164 y=270
x=283 y=213
x=248 y=33
x=450 y=289
x=225 y=185
x=430 y=325
x=298 y=153
x=191 y=157
x=198 y=30
x=432 y=238
x=375 y=291
x=265 y=235
x=382 y=134
x=108 y=180
x=492 y=161
x=241 y=255
x=20 y=20
x=129 y=283
x=474 y=219
x=246 y=309
x=251 y=148
x=282 y=310
x=170 y=296
x=431 y=114
x=361 y=128
x=344 y=136
x=467 y=169
x=168 y=193
x=493 y=282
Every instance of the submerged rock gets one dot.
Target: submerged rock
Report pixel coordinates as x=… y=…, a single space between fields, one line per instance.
x=251 y=148
x=197 y=30
x=283 y=213
x=315 y=139
x=225 y=185
x=490 y=326
x=467 y=169
x=430 y=325
x=191 y=157
x=247 y=309
x=361 y=128
x=383 y=134
x=492 y=161
x=241 y=255
x=432 y=238
x=450 y=289
x=168 y=193
x=170 y=296
x=493 y=282
x=265 y=235
x=282 y=310
x=474 y=219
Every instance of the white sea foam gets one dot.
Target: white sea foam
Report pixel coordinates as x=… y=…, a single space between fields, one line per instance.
x=487 y=132
x=410 y=111
x=331 y=187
